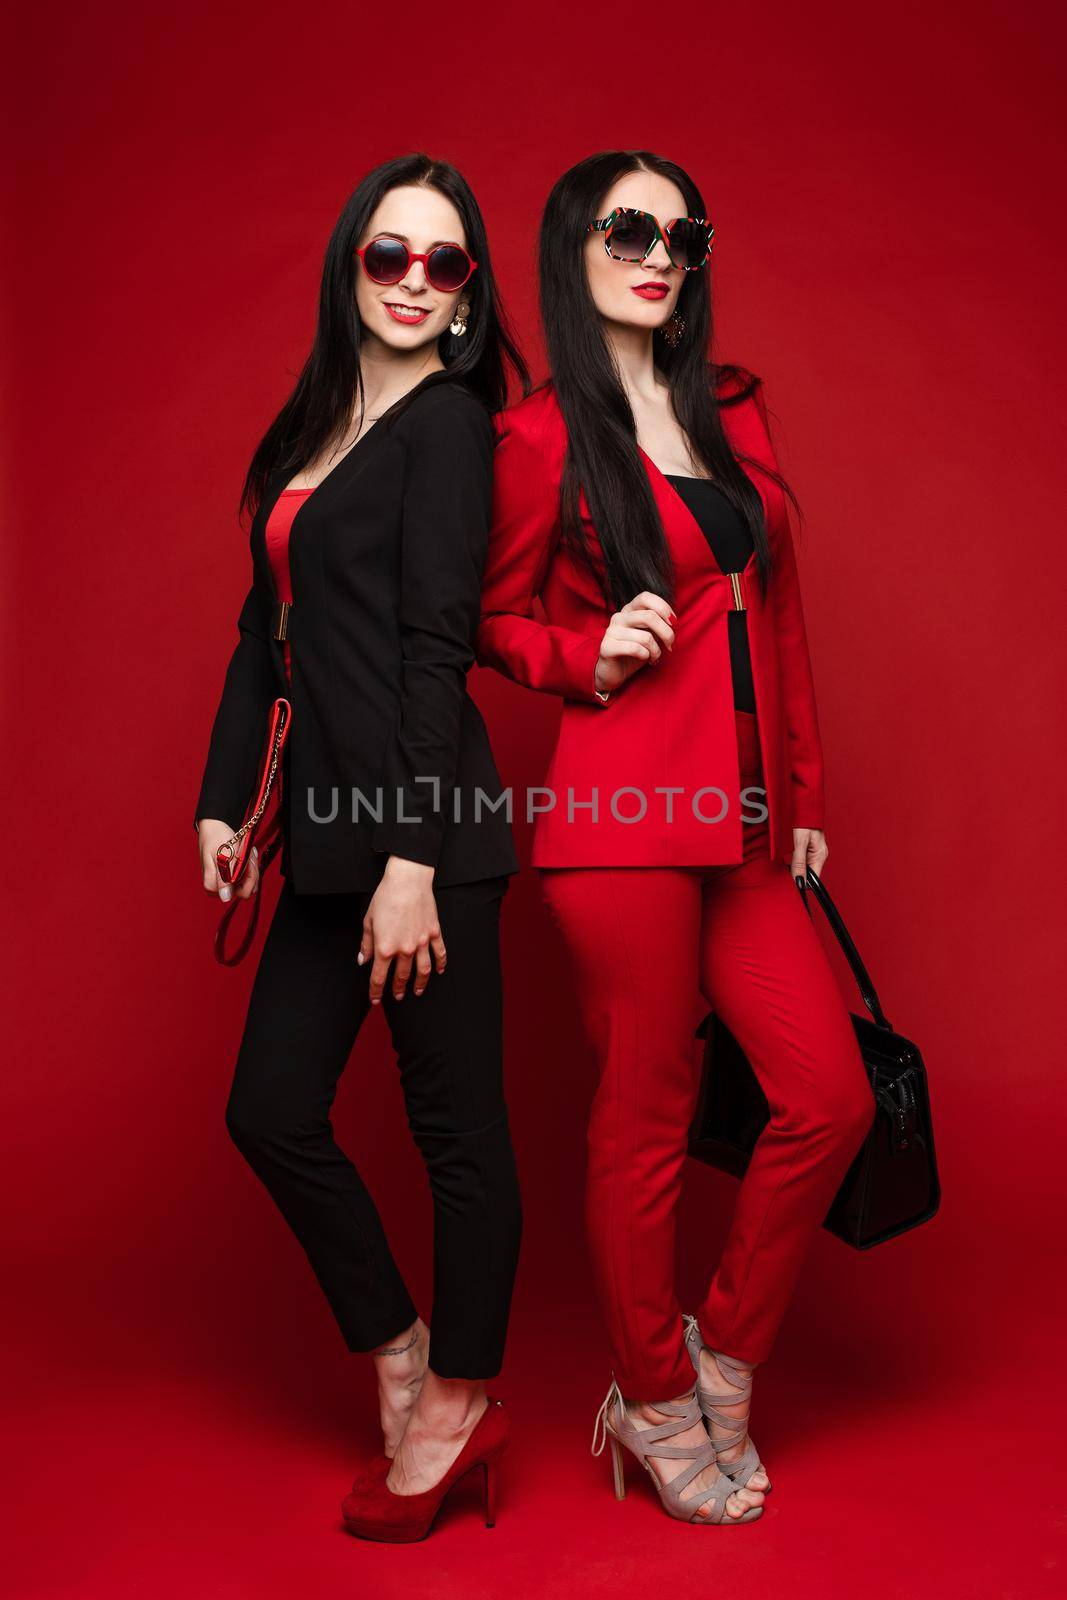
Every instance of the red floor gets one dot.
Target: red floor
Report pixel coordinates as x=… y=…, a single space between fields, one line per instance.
x=140 y=1470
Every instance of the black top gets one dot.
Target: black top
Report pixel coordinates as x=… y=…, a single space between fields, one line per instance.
x=731 y=544
x=386 y=560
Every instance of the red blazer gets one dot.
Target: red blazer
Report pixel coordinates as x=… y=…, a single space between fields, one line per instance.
x=672 y=724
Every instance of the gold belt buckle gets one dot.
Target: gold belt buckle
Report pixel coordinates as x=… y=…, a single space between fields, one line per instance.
x=281 y=620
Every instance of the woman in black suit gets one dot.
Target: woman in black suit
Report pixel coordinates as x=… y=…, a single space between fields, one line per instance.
x=370 y=497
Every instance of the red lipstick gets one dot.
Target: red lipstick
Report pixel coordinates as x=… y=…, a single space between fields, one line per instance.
x=652 y=291
x=402 y=312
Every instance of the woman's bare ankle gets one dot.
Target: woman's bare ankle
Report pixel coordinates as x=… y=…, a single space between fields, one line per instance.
x=406 y=1351
x=400 y=1366
x=450 y=1405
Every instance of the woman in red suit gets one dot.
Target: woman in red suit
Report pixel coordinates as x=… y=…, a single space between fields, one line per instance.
x=637 y=495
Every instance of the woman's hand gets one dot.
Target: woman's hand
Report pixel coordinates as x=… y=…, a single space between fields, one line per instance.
x=636 y=635
x=401 y=922
x=210 y=834
x=809 y=850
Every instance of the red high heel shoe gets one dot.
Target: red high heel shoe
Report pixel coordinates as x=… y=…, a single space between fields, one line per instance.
x=375 y=1512
x=377 y=1467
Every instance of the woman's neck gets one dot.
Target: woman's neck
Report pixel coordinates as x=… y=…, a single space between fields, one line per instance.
x=389 y=374
x=632 y=351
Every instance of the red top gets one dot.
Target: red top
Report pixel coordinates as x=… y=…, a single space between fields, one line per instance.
x=279 y=526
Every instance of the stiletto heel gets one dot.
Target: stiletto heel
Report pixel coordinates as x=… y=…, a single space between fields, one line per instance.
x=373 y=1511
x=748 y=1463
x=617 y=1467
x=614 y=1424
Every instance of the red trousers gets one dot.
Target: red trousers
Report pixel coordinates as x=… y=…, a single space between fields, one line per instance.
x=645 y=943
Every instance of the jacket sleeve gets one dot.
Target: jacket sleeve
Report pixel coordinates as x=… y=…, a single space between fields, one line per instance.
x=445 y=521
x=807 y=782
x=522 y=537
x=240 y=725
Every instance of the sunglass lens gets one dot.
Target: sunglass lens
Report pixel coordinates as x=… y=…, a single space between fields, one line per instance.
x=631 y=237
x=448 y=267
x=688 y=243
x=386 y=260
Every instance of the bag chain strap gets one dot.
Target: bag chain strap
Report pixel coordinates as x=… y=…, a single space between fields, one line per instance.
x=235 y=839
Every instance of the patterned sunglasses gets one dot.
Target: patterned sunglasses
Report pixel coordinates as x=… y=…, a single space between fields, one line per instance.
x=629 y=235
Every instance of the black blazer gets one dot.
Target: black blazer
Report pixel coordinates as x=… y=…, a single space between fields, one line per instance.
x=385 y=559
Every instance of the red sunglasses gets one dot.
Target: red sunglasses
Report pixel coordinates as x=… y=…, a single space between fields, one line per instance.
x=447 y=266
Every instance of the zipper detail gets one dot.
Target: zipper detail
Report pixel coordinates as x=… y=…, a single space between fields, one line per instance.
x=735 y=585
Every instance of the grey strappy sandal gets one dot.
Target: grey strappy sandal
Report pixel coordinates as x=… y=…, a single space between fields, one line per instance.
x=748 y=1462
x=613 y=1423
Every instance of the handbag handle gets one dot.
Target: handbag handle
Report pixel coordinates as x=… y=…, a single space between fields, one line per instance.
x=269 y=845
x=233 y=855
x=852 y=956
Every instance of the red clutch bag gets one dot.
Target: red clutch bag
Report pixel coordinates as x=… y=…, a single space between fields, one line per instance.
x=234 y=854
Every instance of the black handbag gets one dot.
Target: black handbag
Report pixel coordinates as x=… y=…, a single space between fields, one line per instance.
x=892 y=1185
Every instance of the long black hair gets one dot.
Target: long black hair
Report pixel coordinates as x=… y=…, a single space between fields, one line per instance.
x=319 y=409
x=602 y=455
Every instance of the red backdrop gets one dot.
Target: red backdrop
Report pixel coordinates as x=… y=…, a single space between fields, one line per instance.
x=889 y=257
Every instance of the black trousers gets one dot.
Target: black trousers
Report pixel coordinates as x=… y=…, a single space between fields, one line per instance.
x=308 y=1001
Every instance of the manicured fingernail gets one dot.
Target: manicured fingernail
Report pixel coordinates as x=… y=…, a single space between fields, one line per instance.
x=360 y=959
x=225 y=893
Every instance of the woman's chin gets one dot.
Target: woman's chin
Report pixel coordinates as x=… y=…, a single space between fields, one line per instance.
x=405 y=336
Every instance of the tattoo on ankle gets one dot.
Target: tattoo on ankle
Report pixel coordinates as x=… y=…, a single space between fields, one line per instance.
x=397 y=1349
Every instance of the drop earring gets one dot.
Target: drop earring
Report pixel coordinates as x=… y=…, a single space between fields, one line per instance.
x=673 y=329
x=458 y=325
